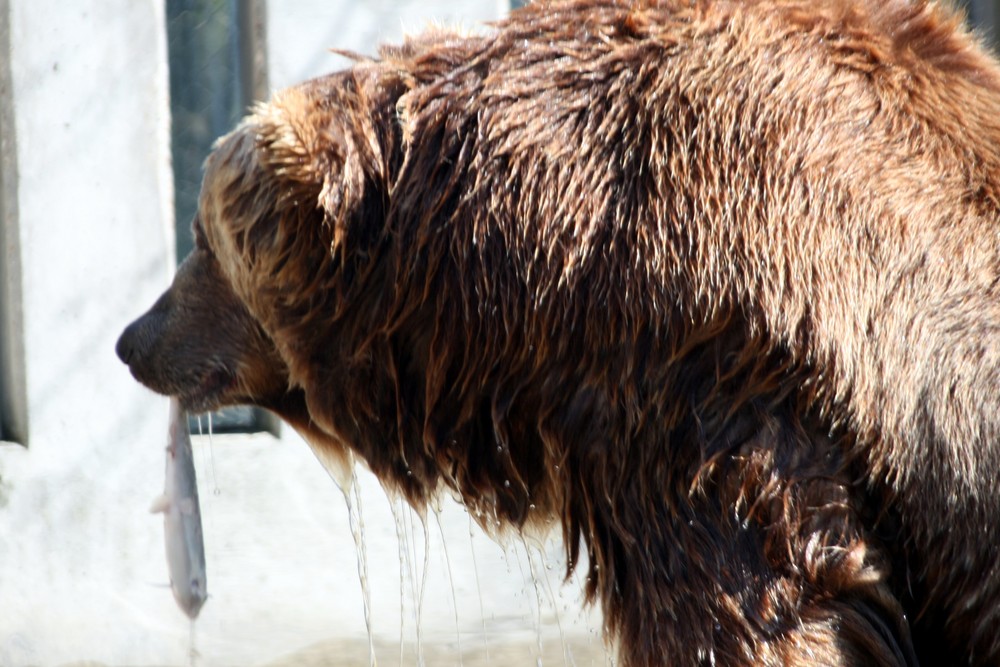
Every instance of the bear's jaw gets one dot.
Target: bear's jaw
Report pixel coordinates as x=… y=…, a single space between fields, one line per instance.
x=210 y=392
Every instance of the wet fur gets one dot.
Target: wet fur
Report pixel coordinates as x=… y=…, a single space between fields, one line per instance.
x=713 y=284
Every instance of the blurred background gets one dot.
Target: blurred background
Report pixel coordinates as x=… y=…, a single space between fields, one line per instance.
x=107 y=111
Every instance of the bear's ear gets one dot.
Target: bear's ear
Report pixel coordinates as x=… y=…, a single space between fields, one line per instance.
x=305 y=144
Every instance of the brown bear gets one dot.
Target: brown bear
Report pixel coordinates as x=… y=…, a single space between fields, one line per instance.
x=713 y=283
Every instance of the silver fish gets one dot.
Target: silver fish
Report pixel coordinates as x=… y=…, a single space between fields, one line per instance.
x=182 y=518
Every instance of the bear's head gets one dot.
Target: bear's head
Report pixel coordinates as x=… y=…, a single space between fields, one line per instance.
x=199 y=342
x=273 y=305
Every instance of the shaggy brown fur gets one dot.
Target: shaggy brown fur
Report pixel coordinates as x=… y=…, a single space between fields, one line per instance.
x=716 y=284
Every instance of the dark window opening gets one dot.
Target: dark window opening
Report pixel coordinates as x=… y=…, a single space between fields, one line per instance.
x=218 y=68
x=983 y=15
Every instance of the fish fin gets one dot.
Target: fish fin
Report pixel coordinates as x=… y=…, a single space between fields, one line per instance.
x=160 y=504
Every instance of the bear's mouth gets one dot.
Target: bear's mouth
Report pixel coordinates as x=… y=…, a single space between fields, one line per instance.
x=208 y=394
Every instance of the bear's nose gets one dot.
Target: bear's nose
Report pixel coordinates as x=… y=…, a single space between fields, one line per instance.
x=138 y=339
x=125 y=347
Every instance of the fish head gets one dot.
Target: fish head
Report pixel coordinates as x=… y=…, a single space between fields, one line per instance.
x=191 y=595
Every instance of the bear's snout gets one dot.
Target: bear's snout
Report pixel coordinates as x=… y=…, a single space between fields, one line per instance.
x=137 y=340
x=125 y=347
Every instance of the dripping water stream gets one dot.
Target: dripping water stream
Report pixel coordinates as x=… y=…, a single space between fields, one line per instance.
x=193 y=654
x=423 y=586
x=479 y=588
x=451 y=583
x=402 y=542
x=546 y=567
x=352 y=496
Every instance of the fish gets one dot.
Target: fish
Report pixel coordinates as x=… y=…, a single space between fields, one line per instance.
x=184 y=542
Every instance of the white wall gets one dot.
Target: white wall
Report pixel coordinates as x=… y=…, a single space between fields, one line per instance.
x=300 y=33
x=93 y=228
x=82 y=571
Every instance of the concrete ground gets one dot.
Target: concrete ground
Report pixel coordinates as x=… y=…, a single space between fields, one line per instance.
x=484 y=602
x=283 y=575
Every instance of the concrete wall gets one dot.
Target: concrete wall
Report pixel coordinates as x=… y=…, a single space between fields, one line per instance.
x=299 y=41
x=87 y=235
x=86 y=239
